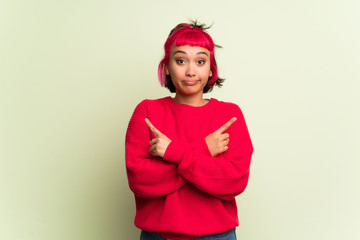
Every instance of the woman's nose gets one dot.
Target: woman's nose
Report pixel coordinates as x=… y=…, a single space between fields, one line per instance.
x=190 y=71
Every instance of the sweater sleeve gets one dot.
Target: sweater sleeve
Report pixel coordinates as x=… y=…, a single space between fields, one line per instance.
x=148 y=176
x=224 y=176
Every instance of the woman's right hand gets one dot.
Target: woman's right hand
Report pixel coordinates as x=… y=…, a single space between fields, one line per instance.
x=159 y=144
x=217 y=142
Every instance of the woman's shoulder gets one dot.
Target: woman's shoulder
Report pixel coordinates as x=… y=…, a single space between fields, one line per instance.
x=147 y=104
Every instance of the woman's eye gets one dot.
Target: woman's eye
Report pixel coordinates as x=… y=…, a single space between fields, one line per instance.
x=201 y=62
x=180 y=61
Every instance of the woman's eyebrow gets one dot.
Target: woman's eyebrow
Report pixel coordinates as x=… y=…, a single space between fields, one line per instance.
x=178 y=51
x=202 y=53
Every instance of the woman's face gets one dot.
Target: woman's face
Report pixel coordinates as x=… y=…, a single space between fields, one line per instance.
x=189 y=68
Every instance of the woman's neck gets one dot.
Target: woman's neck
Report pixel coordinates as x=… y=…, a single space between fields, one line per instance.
x=195 y=101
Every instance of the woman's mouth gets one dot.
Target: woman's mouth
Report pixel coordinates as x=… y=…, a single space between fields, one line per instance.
x=190 y=83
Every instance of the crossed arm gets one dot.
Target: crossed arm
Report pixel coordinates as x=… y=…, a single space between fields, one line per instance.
x=213 y=165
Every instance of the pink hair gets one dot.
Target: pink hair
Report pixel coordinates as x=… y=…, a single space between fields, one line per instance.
x=187 y=34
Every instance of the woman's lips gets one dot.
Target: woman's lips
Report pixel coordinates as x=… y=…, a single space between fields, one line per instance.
x=190 y=83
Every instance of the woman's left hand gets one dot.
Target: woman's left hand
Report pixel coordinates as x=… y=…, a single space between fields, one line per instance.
x=159 y=144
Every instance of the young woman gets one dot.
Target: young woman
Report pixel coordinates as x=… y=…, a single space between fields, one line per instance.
x=187 y=157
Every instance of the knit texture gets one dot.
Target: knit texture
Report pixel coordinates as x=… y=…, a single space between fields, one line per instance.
x=188 y=193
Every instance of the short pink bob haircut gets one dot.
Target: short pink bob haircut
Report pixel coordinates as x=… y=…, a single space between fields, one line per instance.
x=193 y=35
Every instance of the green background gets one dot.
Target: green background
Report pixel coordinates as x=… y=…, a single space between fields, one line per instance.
x=72 y=72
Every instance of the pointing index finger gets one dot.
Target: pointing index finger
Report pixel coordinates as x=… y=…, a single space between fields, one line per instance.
x=151 y=127
x=227 y=125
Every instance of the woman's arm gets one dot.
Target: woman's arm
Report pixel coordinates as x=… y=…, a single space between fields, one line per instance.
x=149 y=176
x=224 y=175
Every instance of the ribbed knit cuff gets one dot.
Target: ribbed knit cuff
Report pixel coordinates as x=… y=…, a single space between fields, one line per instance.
x=174 y=152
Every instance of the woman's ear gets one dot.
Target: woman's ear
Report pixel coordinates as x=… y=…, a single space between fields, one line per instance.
x=167 y=70
x=210 y=73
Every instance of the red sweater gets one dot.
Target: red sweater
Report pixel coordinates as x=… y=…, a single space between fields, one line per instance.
x=188 y=193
